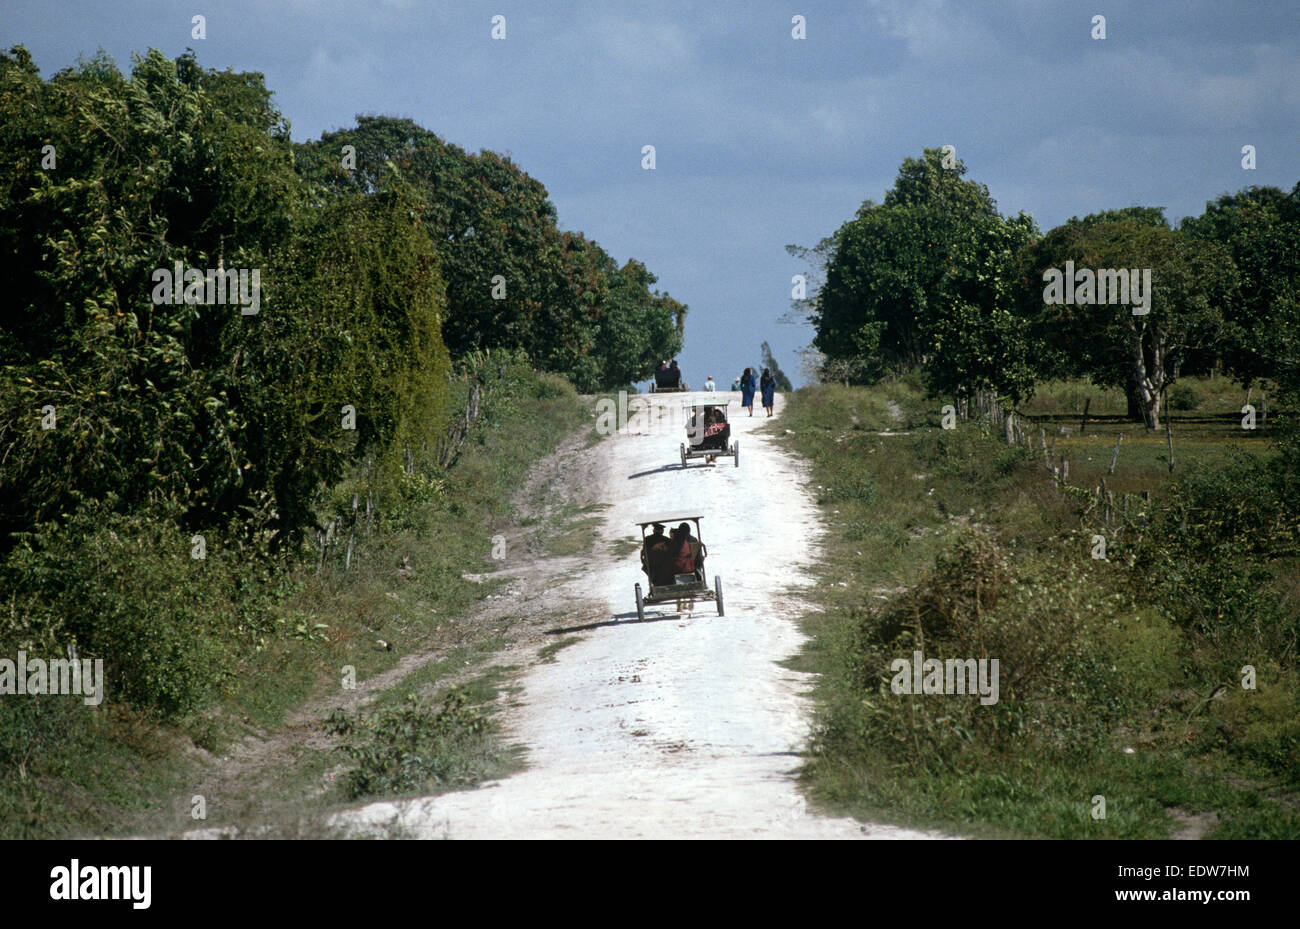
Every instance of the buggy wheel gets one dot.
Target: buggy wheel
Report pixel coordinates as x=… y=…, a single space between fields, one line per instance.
x=735 y=452
x=717 y=589
x=683 y=454
x=640 y=604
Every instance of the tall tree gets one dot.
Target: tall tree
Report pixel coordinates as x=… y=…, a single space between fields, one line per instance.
x=1190 y=280
x=925 y=279
x=888 y=264
x=769 y=362
x=514 y=279
x=1259 y=227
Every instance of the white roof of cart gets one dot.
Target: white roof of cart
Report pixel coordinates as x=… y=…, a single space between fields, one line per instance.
x=667 y=518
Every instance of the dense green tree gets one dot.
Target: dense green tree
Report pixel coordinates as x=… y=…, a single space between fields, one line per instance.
x=1260 y=228
x=147 y=172
x=201 y=407
x=925 y=279
x=887 y=267
x=978 y=338
x=514 y=280
x=1190 y=281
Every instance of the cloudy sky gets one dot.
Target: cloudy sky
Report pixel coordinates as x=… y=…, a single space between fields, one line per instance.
x=761 y=139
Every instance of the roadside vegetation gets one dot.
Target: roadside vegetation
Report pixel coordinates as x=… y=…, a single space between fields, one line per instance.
x=1120 y=678
x=409 y=580
x=229 y=495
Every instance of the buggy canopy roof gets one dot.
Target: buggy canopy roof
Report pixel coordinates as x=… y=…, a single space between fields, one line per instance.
x=668 y=518
x=702 y=403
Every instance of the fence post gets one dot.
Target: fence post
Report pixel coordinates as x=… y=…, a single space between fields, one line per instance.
x=1115 y=455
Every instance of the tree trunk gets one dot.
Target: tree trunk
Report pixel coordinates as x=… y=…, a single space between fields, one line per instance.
x=1146 y=380
x=1144 y=386
x=1134 y=401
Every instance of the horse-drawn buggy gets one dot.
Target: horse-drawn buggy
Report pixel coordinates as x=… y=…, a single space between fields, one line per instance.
x=674 y=565
x=708 y=434
x=669 y=380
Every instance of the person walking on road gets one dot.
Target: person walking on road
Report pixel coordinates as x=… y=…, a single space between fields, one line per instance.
x=735 y=384
x=747 y=386
x=709 y=385
x=768 y=386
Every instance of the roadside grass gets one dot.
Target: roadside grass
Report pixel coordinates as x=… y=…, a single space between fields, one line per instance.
x=572 y=530
x=548 y=652
x=422 y=745
x=115 y=771
x=1112 y=683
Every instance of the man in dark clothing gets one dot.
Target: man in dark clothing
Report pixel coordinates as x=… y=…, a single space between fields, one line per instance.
x=673 y=375
x=656 y=557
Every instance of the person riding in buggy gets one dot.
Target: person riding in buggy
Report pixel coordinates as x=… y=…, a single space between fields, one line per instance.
x=674 y=565
x=668 y=379
x=708 y=434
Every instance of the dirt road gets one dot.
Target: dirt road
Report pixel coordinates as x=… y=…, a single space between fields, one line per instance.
x=682 y=726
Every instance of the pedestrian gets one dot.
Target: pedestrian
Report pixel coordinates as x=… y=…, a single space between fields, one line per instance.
x=768 y=385
x=747 y=386
x=735 y=384
x=709 y=385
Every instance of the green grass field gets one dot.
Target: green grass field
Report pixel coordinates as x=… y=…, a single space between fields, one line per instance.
x=1120 y=678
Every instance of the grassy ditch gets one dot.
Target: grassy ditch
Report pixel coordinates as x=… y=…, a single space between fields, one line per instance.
x=1119 y=678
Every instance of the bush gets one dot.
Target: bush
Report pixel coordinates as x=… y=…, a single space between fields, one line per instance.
x=126 y=589
x=411 y=748
x=1049 y=623
x=1183 y=397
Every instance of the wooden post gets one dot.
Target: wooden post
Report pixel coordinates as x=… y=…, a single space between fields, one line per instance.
x=1083 y=423
x=1115 y=455
x=1065 y=469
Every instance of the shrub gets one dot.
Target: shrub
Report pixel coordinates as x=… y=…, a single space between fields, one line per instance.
x=1183 y=397
x=126 y=589
x=411 y=748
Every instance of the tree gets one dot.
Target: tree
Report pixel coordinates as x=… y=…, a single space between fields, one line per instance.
x=195 y=408
x=1259 y=227
x=925 y=279
x=769 y=362
x=886 y=267
x=514 y=279
x=1107 y=342
x=978 y=338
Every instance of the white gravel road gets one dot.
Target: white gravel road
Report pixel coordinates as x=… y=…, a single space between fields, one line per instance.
x=683 y=726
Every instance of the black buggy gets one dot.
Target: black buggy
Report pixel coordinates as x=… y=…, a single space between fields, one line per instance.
x=668 y=381
x=708 y=434
x=658 y=561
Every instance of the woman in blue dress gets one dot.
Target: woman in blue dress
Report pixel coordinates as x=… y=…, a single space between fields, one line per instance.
x=747 y=387
x=768 y=387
